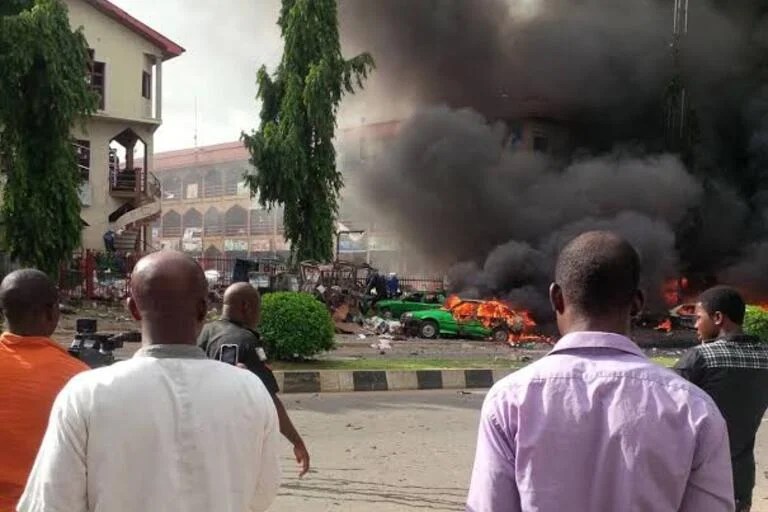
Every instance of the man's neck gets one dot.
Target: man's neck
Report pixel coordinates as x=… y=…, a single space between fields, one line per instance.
x=597 y=325
x=727 y=332
x=149 y=338
x=27 y=332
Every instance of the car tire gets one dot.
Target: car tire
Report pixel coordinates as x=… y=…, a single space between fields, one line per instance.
x=500 y=335
x=429 y=330
x=386 y=313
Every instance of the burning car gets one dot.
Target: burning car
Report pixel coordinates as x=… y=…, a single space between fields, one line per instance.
x=469 y=318
x=683 y=316
x=415 y=301
x=679 y=317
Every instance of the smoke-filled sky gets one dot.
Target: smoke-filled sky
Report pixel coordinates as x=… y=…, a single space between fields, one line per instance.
x=602 y=67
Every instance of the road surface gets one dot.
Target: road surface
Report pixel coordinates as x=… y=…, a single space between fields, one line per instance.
x=399 y=452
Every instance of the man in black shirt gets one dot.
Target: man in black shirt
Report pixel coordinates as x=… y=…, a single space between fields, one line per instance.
x=733 y=368
x=233 y=339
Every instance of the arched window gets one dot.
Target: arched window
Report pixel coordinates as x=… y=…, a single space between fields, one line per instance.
x=171 y=224
x=192 y=219
x=213 y=224
x=236 y=221
x=262 y=222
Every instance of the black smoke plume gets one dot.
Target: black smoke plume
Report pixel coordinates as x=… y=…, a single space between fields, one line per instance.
x=606 y=70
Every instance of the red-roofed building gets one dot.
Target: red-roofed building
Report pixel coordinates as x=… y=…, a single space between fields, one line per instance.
x=207 y=209
x=120 y=194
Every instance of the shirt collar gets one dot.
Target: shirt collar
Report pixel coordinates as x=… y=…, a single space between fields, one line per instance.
x=740 y=338
x=24 y=341
x=580 y=340
x=171 y=351
x=238 y=324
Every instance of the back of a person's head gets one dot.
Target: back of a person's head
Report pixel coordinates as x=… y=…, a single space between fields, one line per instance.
x=169 y=294
x=29 y=301
x=598 y=272
x=726 y=300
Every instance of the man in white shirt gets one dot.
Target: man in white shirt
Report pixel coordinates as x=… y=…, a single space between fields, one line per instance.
x=168 y=430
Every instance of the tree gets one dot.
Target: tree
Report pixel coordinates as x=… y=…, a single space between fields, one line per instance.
x=43 y=94
x=293 y=150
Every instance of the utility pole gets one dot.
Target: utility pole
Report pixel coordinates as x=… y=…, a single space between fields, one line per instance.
x=677 y=100
x=195 y=122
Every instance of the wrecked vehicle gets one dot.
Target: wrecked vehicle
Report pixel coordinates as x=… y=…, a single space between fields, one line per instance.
x=469 y=318
x=414 y=301
x=683 y=316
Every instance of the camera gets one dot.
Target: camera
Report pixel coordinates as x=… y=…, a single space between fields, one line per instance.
x=92 y=348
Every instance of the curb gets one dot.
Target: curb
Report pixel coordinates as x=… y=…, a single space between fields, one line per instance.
x=338 y=381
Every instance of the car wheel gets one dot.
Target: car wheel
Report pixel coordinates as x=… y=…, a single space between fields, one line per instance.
x=500 y=335
x=429 y=330
x=386 y=313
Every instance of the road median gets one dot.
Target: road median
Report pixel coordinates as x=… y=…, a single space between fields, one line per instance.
x=399 y=375
x=345 y=381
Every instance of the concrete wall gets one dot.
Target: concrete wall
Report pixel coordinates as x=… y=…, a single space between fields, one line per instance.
x=126 y=55
x=100 y=132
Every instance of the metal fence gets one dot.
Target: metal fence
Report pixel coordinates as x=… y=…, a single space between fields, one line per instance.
x=422 y=283
x=97 y=275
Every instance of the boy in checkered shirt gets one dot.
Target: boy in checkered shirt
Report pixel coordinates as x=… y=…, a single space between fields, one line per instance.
x=733 y=368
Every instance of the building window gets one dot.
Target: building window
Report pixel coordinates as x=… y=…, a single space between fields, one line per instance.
x=146 y=85
x=97 y=79
x=83 y=155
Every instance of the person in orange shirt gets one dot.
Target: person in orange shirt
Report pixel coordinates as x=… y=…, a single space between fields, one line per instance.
x=33 y=369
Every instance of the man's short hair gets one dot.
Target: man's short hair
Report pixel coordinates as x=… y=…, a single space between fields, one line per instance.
x=598 y=271
x=726 y=300
x=25 y=293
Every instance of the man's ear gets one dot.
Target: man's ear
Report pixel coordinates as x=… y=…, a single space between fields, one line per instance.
x=133 y=308
x=202 y=310
x=718 y=318
x=638 y=303
x=556 y=298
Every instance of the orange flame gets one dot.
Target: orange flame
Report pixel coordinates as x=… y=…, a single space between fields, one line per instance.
x=492 y=313
x=451 y=301
x=665 y=326
x=670 y=290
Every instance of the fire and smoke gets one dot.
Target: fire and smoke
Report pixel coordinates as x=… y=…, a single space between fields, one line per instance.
x=454 y=188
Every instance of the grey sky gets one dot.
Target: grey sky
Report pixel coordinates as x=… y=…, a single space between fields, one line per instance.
x=225 y=46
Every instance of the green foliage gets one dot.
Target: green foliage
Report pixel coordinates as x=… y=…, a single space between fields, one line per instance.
x=293 y=149
x=756 y=322
x=295 y=325
x=43 y=93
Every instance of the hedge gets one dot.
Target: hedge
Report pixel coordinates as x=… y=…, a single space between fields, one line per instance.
x=756 y=322
x=295 y=326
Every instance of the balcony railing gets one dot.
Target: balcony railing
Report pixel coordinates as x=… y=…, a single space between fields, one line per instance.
x=127 y=180
x=171 y=231
x=154 y=188
x=236 y=229
x=213 y=230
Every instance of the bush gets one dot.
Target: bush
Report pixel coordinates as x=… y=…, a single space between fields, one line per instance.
x=295 y=325
x=756 y=322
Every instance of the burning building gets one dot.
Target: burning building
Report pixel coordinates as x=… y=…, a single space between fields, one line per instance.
x=606 y=76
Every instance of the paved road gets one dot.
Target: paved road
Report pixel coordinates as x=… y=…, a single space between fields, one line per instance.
x=398 y=452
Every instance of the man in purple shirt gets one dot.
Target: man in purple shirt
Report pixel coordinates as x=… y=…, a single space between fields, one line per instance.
x=595 y=426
